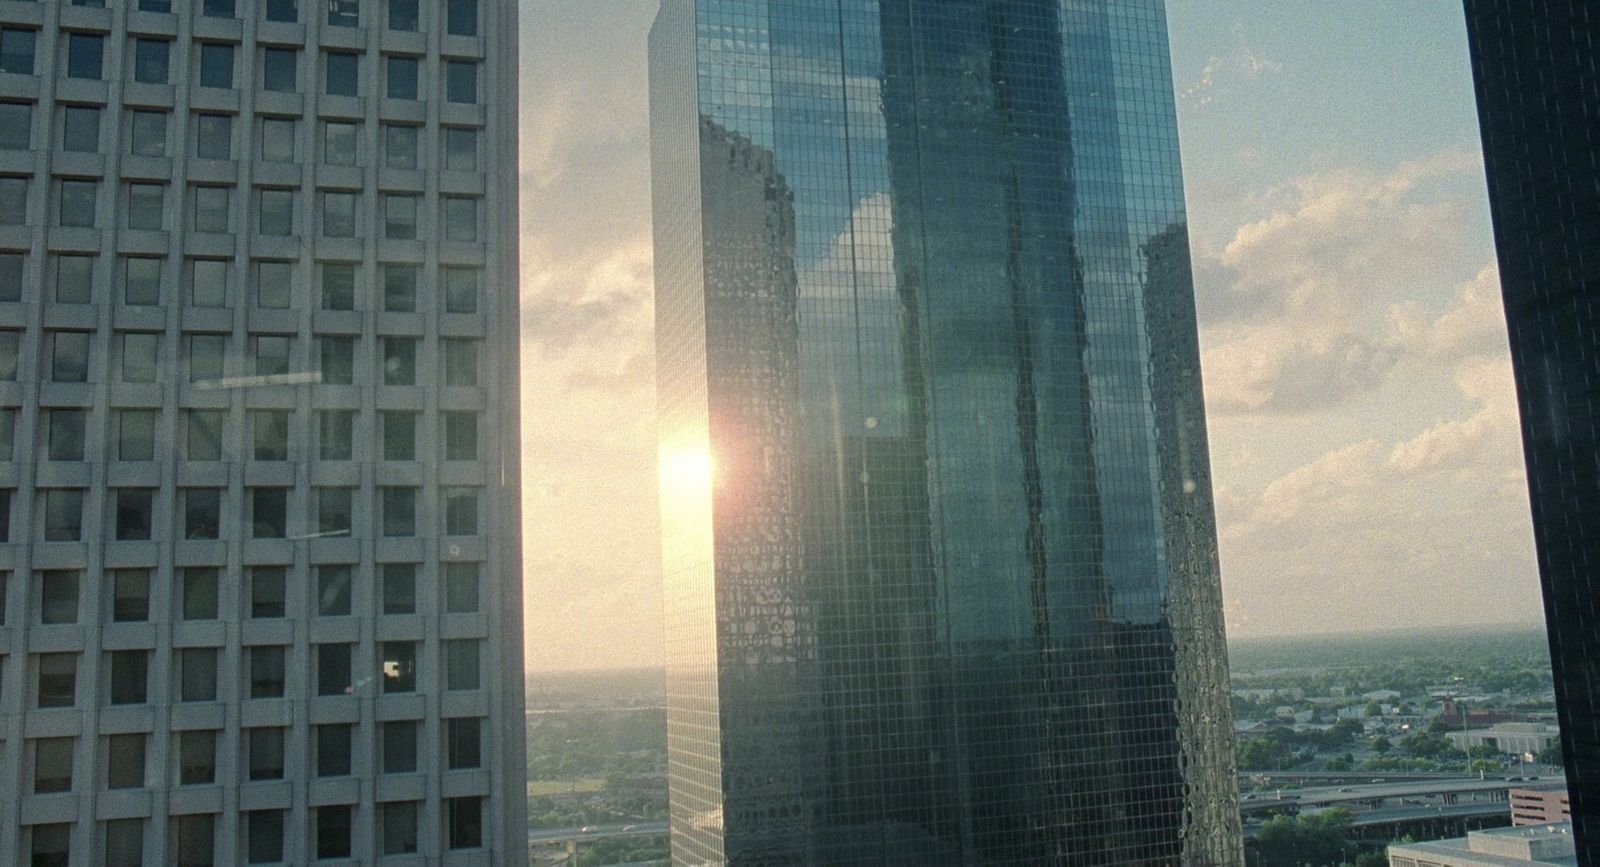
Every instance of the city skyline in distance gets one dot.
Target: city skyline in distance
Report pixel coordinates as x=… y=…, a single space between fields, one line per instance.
x=1403 y=478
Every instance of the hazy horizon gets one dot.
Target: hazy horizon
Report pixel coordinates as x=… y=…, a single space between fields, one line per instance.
x=1366 y=458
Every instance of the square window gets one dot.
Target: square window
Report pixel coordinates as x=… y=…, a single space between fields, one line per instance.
x=337 y=360
x=10 y=340
x=197 y=839
x=265 y=830
x=401 y=76
x=200 y=593
x=80 y=128
x=147 y=136
x=334 y=742
x=334 y=511
x=69 y=356
x=271 y=354
x=130 y=595
x=58 y=597
x=400 y=146
x=202 y=513
x=339 y=215
x=11 y=276
x=287 y=11
x=461 y=588
x=277 y=140
x=333 y=831
x=278 y=70
x=136 y=435
x=338 y=286
x=16 y=126
x=135 y=508
x=269 y=513
x=460 y=362
x=400 y=284
x=339 y=143
x=277 y=213
x=272 y=284
x=16 y=50
x=205 y=357
x=343 y=71
x=145 y=206
x=267 y=671
x=197 y=757
x=58 y=680
x=399 y=588
x=399 y=827
x=333 y=669
x=399 y=361
x=344 y=13
x=461 y=17
x=150 y=60
x=464 y=823
x=216 y=65
x=205 y=434
x=461 y=511
x=400 y=747
x=209 y=283
x=211 y=209
x=141 y=281
x=130 y=678
x=399 y=435
x=74 y=279
x=217 y=8
x=197 y=674
x=125 y=843
x=52 y=765
x=463 y=743
x=66 y=434
x=78 y=203
x=214 y=137
x=397 y=664
x=461 y=149
x=8 y=439
x=335 y=434
x=461 y=81
x=50 y=845
x=403 y=15
x=460 y=218
x=85 y=55
x=63 y=514
x=266 y=748
x=399 y=511
x=460 y=436
x=333 y=590
x=125 y=761
x=268 y=592
x=13 y=201
x=400 y=217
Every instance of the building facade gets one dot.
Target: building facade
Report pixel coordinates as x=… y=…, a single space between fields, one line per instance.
x=1540 y=805
x=941 y=569
x=1538 y=106
x=260 y=591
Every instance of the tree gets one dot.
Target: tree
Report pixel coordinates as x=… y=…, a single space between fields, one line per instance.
x=1372 y=859
x=1551 y=755
x=1381 y=744
x=1318 y=840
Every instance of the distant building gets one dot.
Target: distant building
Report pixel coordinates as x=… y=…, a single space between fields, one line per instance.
x=1532 y=844
x=1381 y=695
x=1538 y=94
x=1540 y=805
x=1512 y=738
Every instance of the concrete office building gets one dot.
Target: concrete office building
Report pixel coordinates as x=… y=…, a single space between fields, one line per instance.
x=941 y=578
x=1538 y=93
x=258 y=479
x=1496 y=847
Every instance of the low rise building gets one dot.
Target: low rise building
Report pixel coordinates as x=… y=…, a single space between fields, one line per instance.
x=1510 y=738
x=1497 y=847
x=1540 y=805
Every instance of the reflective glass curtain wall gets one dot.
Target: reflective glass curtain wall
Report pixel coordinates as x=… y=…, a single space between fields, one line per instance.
x=1538 y=107
x=941 y=560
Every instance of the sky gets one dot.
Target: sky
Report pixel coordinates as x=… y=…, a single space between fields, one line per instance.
x=1366 y=459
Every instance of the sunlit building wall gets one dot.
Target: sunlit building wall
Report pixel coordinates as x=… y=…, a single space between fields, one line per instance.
x=941 y=566
x=1538 y=107
x=259 y=572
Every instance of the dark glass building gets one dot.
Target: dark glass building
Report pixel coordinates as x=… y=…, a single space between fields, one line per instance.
x=941 y=559
x=1538 y=109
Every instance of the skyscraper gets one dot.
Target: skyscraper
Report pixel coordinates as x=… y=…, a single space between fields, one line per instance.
x=940 y=550
x=1538 y=109
x=259 y=573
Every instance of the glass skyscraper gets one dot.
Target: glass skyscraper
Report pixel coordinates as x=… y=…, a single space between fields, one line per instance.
x=1538 y=107
x=942 y=580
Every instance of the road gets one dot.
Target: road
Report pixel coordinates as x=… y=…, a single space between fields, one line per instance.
x=597 y=832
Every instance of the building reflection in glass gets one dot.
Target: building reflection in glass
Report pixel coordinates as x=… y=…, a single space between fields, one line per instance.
x=947 y=591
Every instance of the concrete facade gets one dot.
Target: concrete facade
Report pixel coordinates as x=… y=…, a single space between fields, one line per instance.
x=260 y=592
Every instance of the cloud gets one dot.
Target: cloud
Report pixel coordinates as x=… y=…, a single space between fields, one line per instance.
x=1243 y=61
x=637 y=374
x=1305 y=305
x=1474 y=324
